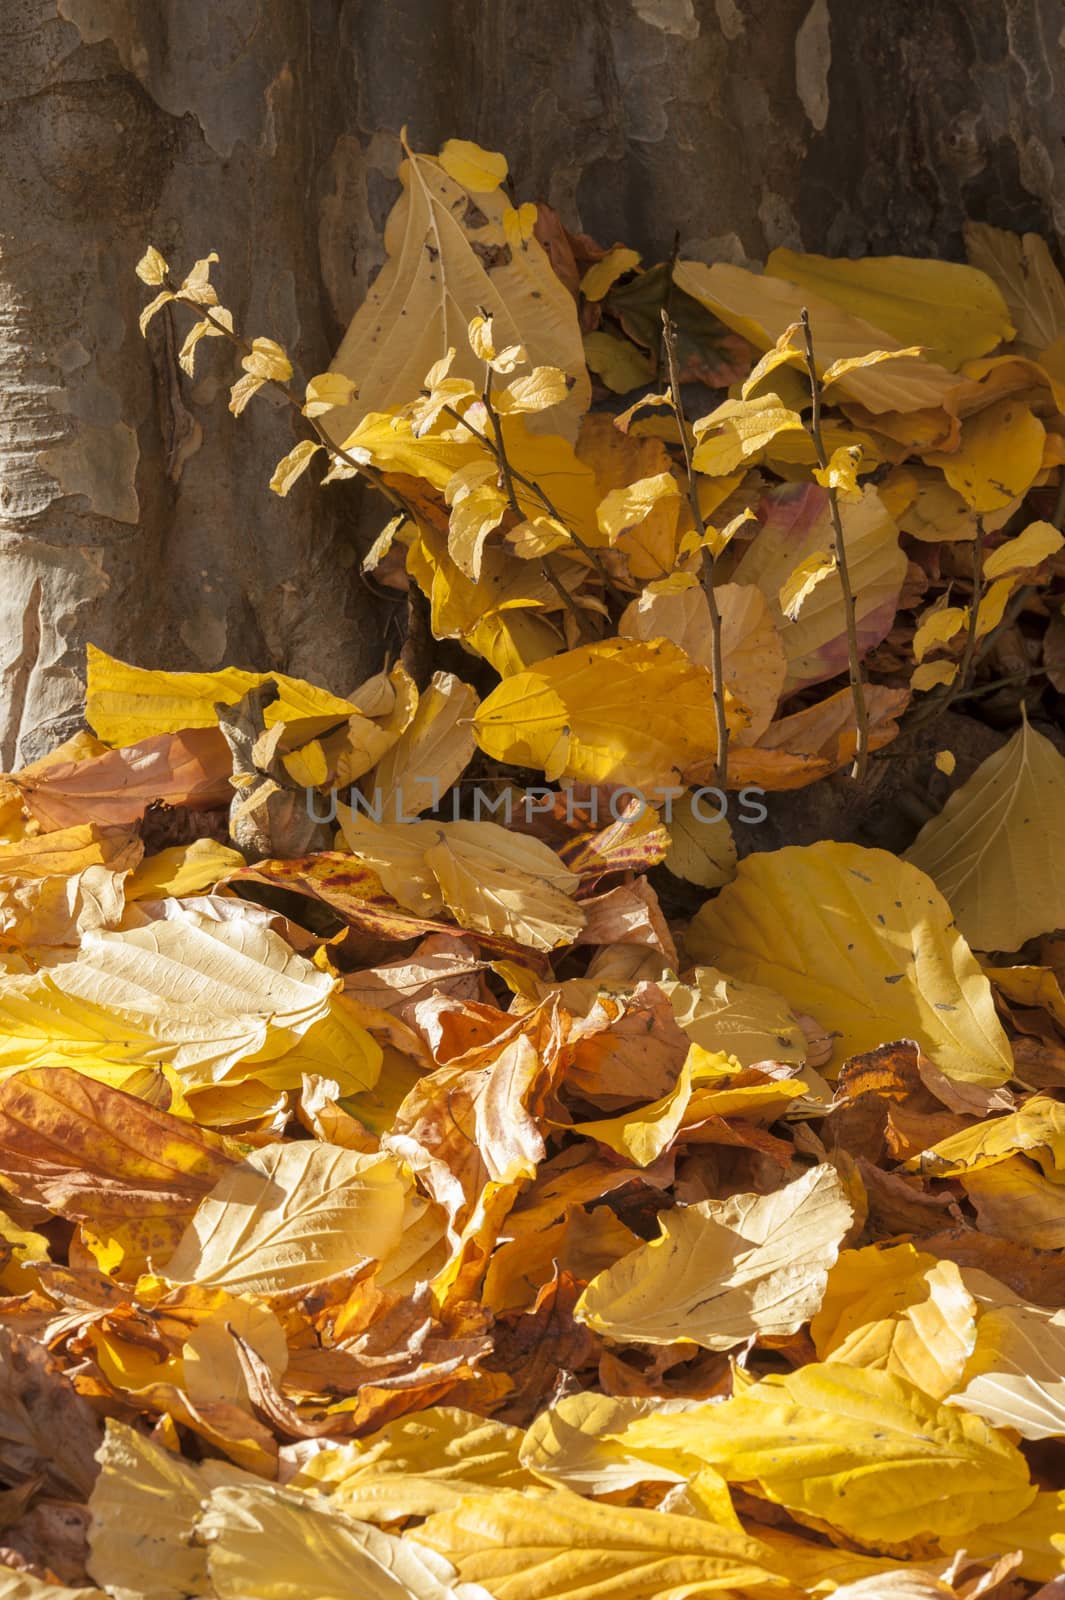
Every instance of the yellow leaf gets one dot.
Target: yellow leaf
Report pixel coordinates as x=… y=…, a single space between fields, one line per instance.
x=196 y=286
x=477 y=169
x=954 y=311
x=620 y=364
x=935 y=512
x=1016 y=1375
x=126 y=704
x=211 y=998
x=866 y=1452
x=417 y=1465
x=143 y=1506
x=996 y=849
x=724 y=1270
x=676 y=608
x=738 y=430
x=744 y=1020
x=643 y=1133
x=840 y=369
x=615 y=712
x=242 y=391
x=938 y=625
x=183 y=869
x=278 y=1543
x=204 y=329
x=327 y=391
x=518 y=224
x=1036 y=1129
x=806 y=578
x=210 y=1358
x=290 y=1216
x=897 y=1310
x=1030 y=283
x=701 y=847
x=396 y=852
x=933 y=675
x=642 y=518
x=604 y=273
x=151 y=268
x=945 y=761
x=841 y=473
x=449 y=260
x=1028 y=549
x=866 y=944
x=786 y=352
x=505 y=883
x=431 y=753
x=474 y=518
x=267 y=361
x=999 y=457
x=570 y=1444
x=1013 y=1200
x=161 y=299
x=992 y=605
x=537 y=391
x=528 y=1547
x=294 y=465
x=123 y=1169
x=1038 y=1533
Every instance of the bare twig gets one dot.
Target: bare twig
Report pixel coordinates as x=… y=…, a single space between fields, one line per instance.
x=669 y=345
x=854 y=665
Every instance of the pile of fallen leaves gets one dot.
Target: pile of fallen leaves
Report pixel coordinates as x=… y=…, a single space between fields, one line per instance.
x=404 y=1200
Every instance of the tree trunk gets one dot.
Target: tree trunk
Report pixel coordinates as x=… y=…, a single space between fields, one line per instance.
x=134 y=510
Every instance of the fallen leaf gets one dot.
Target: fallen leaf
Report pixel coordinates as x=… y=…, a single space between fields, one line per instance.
x=723 y=1271
x=291 y=1216
x=1014 y=1378
x=864 y=942
x=518 y=1544
x=276 y=1543
x=616 y=712
x=898 y=1310
x=956 y=312
x=105 y=1158
x=864 y=1451
x=994 y=849
x=1030 y=283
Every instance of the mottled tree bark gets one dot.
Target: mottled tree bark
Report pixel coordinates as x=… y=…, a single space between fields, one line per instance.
x=134 y=511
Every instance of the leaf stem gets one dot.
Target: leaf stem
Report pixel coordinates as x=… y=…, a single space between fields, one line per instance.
x=854 y=664
x=669 y=345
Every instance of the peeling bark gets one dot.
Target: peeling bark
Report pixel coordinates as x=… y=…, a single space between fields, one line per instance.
x=134 y=510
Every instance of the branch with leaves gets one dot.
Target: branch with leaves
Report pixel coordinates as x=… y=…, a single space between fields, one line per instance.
x=669 y=343
x=854 y=666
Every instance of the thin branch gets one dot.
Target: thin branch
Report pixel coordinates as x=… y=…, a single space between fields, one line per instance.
x=534 y=488
x=669 y=345
x=854 y=663
x=371 y=474
x=506 y=472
